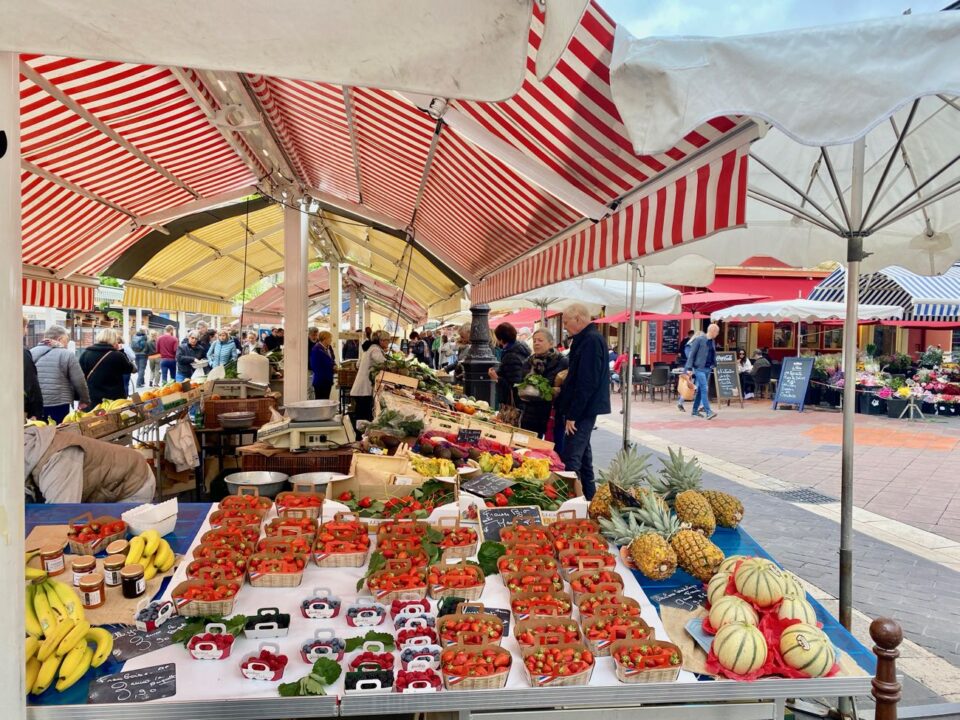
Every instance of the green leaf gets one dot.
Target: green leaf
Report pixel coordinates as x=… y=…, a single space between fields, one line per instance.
x=432 y=550
x=327 y=669
x=355 y=643
x=488 y=555
x=291 y=689
x=433 y=535
x=377 y=562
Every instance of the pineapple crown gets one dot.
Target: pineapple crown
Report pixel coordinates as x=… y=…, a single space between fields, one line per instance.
x=653 y=516
x=677 y=475
x=627 y=469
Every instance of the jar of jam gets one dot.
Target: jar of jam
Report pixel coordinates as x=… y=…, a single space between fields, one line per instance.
x=82 y=565
x=131 y=581
x=118 y=547
x=112 y=565
x=91 y=591
x=51 y=558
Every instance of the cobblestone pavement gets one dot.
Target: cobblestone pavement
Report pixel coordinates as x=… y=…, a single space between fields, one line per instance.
x=906 y=471
x=923 y=596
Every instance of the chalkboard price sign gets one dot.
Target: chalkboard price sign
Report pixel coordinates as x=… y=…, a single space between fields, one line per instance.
x=134 y=686
x=469 y=436
x=485 y=484
x=726 y=376
x=670 y=344
x=793 y=382
x=688 y=597
x=652 y=337
x=128 y=642
x=493 y=520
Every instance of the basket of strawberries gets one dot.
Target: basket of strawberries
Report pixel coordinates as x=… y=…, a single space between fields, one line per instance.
x=88 y=535
x=398 y=580
x=568 y=524
x=525 y=533
x=459 y=541
x=404 y=528
x=208 y=595
x=460 y=579
x=533 y=581
x=530 y=604
x=557 y=664
x=602 y=632
x=248 y=497
x=607 y=605
x=554 y=629
x=573 y=560
x=470 y=628
x=465 y=667
x=277 y=566
x=294 y=522
x=236 y=517
x=341 y=543
x=507 y=564
x=646 y=661
x=230 y=537
x=232 y=564
x=301 y=498
x=588 y=581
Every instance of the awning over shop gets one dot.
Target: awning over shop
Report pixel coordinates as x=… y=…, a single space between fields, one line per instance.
x=521 y=318
x=707 y=302
x=139 y=296
x=65 y=296
x=803 y=311
x=650 y=317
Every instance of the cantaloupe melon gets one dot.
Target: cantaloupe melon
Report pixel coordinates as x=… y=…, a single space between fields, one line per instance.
x=760 y=581
x=807 y=649
x=793 y=585
x=740 y=648
x=794 y=607
x=732 y=609
x=717 y=587
x=730 y=563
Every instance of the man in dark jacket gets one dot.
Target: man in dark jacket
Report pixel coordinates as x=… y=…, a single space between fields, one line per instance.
x=418 y=348
x=32 y=396
x=510 y=371
x=139 y=346
x=701 y=358
x=189 y=351
x=585 y=393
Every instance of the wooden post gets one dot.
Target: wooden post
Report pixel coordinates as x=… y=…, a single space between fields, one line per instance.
x=887 y=635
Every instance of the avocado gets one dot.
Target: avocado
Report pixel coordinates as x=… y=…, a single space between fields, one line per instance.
x=426 y=448
x=474 y=453
x=456 y=454
x=443 y=453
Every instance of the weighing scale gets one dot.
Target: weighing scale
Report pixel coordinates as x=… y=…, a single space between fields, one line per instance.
x=239 y=389
x=305 y=435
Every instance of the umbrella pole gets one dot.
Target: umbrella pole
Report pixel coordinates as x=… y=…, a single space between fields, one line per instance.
x=854 y=256
x=626 y=386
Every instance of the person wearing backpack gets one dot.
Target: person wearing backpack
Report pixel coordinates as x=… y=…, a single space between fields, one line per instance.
x=139 y=346
x=59 y=373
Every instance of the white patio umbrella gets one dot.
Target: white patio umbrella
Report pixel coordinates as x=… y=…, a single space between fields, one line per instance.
x=596 y=293
x=859 y=129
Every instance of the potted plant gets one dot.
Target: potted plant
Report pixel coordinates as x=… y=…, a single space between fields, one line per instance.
x=897 y=364
x=932 y=357
x=899 y=398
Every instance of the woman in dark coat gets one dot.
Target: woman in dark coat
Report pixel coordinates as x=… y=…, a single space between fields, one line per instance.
x=189 y=350
x=510 y=371
x=104 y=366
x=547 y=362
x=323 y=365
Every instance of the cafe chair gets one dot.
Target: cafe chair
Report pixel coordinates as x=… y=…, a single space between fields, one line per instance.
x=659 y=381
x=761 y=381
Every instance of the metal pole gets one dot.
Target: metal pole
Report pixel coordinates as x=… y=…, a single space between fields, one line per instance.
x=626 y=387
x=295 y=241
x=11 y=403
x=854 y=256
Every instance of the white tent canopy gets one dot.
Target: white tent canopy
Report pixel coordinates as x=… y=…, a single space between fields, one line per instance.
x=803 y=311
x=596 y=293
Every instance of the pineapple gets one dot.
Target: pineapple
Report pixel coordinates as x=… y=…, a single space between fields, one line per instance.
x=727 y=509
x=628 y=471
x=648 y=549
x=679 y=483
x=696 y=554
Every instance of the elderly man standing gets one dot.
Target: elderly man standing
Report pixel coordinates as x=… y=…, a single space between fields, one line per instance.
x=701 y=358
x=585 y=393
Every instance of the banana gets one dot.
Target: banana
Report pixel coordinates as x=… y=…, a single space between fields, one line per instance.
x=81 y=669
x=72 y=659
x=152 y=540
x=31 y=645
x=34 y=629
x=73 y=638
x=41 y=606
x=30 y=555
x=165 y=561
x=149 y=571
x=104 y=641
x=56 y=604
x=33 y=669
x=33 y=574
x=161 y=555
x=68 y=596
x=136 y=550
x=53 y=640
x=46 y=674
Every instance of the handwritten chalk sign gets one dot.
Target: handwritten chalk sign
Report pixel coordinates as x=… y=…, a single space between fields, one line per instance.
x=485 y=484
x=652 y=337
x=793 y=382
x=128 y=642
x=501 y=613
x=469 y=436
x=726 y=378
x=493 y=520
x=688 y=597
x=134 y=686
x=671 y=337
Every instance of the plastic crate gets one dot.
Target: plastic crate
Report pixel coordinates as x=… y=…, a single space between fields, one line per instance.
x=337 y=461
x=212 y=409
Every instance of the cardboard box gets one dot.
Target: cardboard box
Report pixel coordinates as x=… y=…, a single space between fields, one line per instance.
x=380 y=477
x=491 y=431
x=389 y=378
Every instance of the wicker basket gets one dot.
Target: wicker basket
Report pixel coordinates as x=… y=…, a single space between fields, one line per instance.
x=196 y=566
x=340 y=559
x=205 y=550
x=601 y=646
x=236 y=518
x=280 y=526
x=383 y=596
x=95 y=546
x=488 y=682
x=397 y=529
x=646 y=675
x=451 y=524
x=438 y=592
x=275 y=579
x=213 y=409
x=573 y=560
x=539 y=604
x=239 y=501
x=610 y=605
x=568 y=524
x=527 y=563
x=300 y=491
x=346 y=376
x=549 y=625
x=344 y=526
x=544 y=641
x=205 y=608
x=589 y=543
x=546 y=581
x=613 y=587
x=465 y=639
x=291 y=463
x=229 y=536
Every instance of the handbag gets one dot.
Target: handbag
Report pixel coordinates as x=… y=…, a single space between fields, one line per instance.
x=686 y=387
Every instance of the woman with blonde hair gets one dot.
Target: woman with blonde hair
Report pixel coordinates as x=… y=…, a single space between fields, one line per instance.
x=104 y=366
x=323 y=364
x=222 y=350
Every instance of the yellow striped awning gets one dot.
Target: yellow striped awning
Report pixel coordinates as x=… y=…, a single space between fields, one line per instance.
x=144 y=297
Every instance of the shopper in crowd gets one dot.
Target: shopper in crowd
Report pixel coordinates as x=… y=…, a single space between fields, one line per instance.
x=167 y=346
x=251 y=344
x=323 y=365
x=759 y=361
x=545 y=362
x=448 y=351
x=273 y=341
x=138 y=343
x=188 y=351
x=744 y=366
x=153 y=358
x=618 y=371
x=513 y=355
x=64 y=467
x=585 y=395
x=418 y=348
x=701 y=359
x=104 y=366
x=436 y=348
x=362 y=390
x=462 y=349
x=59 y=373
x=222 y=350
x=313 y=335
x=351 y=349
x=525 y=336
x=203 y=331
x=32 y=395
x=125 y=348
x=367 y=341
x=682 y=351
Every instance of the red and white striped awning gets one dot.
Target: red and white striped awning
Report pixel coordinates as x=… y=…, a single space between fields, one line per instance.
x=111 y=150
x=64 y=296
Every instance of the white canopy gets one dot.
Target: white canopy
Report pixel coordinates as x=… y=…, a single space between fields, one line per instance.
x=474 y=50
x=595 y=293
x=803 y=311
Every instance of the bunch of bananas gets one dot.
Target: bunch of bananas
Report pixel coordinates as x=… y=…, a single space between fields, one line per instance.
x=152 y=552
x=59 y=636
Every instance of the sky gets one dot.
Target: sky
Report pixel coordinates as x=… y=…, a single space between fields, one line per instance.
x=644 y=18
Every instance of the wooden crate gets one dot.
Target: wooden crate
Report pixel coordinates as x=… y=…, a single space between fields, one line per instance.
x=212 y=409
